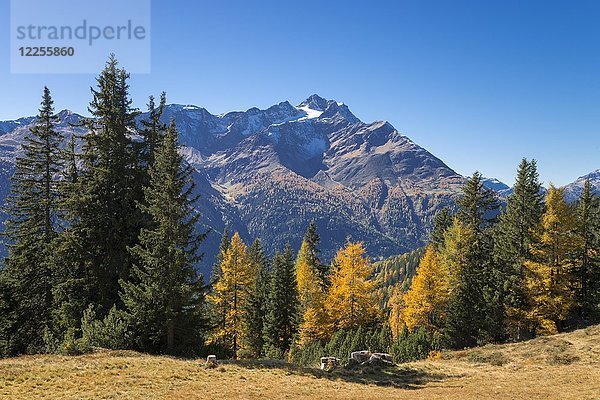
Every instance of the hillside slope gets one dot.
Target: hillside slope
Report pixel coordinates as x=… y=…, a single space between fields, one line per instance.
x=565 y=366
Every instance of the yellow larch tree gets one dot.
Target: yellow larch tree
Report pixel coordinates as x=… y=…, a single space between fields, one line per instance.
x=424 y=304
x=351 y=298
x=314 y=324
x=396 y=305
x=231 y=292
x=548 y=282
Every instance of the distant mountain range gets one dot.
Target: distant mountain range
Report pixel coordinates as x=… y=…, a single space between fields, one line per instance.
x=267 y=173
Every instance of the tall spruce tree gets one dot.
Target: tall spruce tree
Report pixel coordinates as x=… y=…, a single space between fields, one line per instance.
x=281 y=323
x=464 y=316
x=256 y=305
x=33 y=206
x=105 y=219
x=165 y=298
x=586 y=258
x=513 y=241
x=152 y=131
x=477 y=298
x=312 y=239
x=441 y=222
x=223 y=247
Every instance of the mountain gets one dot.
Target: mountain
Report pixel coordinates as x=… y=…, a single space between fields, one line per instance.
x=267 y=173
x=495 y=184
x=573 y=190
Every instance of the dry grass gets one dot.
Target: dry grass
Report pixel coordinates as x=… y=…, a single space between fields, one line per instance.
x=564 y=366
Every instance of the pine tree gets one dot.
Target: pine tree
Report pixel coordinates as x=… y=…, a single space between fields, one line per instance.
x=514 y=238
x=548 y=280
x=586 y=258
x=230 y=293
x=223 y=247
x=281 y=323
x=478 y=209
x=165 y=299
x=312 y=239
x=256 y=306
x=441 y=223
x=33 y=206
x=424 y=305
x=351 y=302
x=93 y=253
x=153 y=130
x=464 y=318
x=478 y=205
x=70 y=175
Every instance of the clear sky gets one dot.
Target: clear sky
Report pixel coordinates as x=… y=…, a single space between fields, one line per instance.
x=480 y=84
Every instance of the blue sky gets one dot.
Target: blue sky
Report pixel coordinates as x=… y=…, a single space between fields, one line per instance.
x=480 y=84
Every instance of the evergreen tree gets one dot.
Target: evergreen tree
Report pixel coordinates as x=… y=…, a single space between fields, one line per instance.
x=256 y=307
x=165 y=299
x=223 y=247
x=312 y=239
x=586 y=263
x=465 y=319
x=33 y=206
x=478 y=209
x=478 y=205
x=441 y=223
x=152 y=131
x=105 y=221
x=281 y=323
x=70 y=175
x=514 y=238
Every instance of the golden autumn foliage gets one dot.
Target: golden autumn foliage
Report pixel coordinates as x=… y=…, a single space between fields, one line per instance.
x=311 y=298
x=231 y=292
x=548 y=281
x=395 y=318
x=307 y=279
x=425 y=302
x=458 y=244
x=351 y=299
x=315 y=321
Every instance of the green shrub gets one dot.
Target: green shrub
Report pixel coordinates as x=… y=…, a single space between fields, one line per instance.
x=111 y=332
x=415 y=345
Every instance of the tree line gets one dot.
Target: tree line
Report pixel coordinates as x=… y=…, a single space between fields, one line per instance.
x=491 y=275
x=102 y=244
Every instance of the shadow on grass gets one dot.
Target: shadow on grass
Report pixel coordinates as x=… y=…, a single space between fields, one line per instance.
x=398 y=376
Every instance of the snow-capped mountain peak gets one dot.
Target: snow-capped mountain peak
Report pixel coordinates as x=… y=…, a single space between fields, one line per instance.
x=315 y=102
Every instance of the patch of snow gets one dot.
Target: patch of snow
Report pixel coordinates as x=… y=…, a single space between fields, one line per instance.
x=310 y=113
